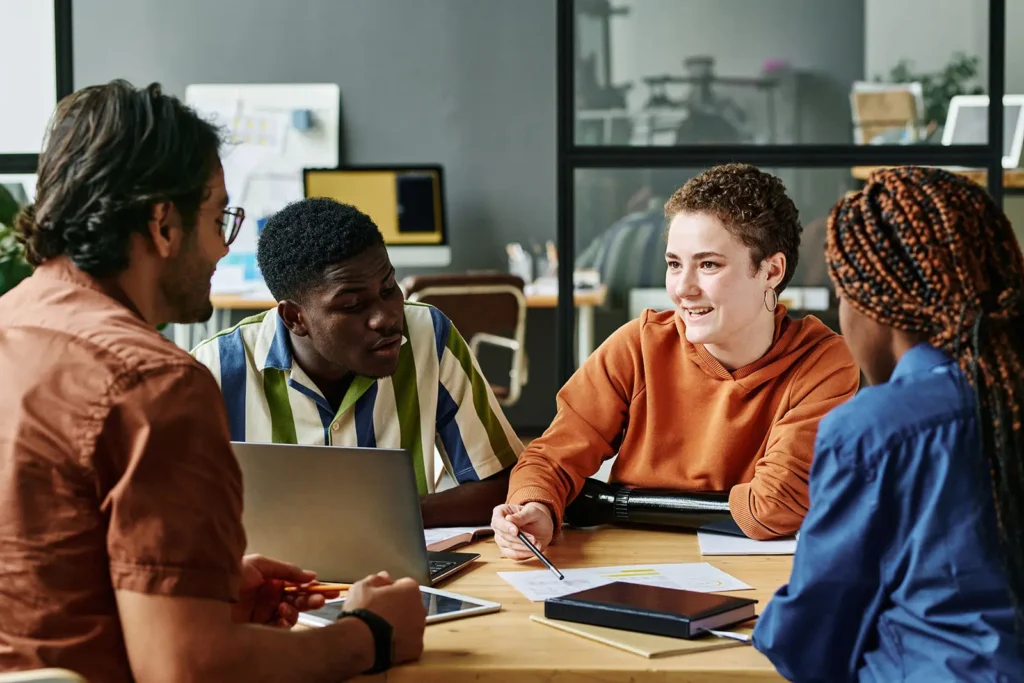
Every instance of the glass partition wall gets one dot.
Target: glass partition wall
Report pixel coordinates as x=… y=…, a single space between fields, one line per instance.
x=651 y=92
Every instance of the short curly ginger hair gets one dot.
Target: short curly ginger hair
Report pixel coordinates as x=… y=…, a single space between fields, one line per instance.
x=752 y=205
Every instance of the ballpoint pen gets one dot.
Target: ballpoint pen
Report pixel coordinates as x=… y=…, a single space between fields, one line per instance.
x=540 y=556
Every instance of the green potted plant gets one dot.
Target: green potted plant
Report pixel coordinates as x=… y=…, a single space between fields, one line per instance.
x=958 y=77
x=13 y=266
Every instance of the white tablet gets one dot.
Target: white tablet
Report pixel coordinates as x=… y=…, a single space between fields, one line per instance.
x=440 y=606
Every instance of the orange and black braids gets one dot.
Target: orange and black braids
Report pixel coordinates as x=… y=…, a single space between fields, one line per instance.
x=926 y=251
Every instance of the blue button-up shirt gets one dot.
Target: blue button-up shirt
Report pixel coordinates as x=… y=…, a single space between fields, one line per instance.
x=897 y=575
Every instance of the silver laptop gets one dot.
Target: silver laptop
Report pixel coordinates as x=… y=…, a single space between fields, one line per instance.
x=344 y=513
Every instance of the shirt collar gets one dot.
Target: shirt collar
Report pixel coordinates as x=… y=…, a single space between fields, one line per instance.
x=63 y=268
x=273 y=336
x=920 y=358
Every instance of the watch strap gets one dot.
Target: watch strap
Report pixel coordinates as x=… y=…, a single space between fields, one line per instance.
x=383 y=638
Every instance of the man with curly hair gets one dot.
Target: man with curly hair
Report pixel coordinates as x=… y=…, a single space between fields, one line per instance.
x=344 y=360
x=120 y=498
x=724 y=393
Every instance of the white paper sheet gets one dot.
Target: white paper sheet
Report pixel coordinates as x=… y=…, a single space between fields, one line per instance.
x=696 y=576
x=723 y=544
x=432 y=536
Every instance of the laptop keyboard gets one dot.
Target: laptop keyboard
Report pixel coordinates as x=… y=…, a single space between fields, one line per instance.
x=438 y=567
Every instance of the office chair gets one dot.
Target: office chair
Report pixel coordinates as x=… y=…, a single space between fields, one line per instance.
x=42 y=676
x=486 y=308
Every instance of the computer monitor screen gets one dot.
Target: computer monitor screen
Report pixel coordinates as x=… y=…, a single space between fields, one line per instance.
x=407 y=204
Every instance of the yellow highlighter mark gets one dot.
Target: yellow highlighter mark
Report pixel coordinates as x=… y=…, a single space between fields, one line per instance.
x=625 y=573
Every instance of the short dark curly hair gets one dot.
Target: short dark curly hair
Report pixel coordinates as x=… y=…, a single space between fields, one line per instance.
x=111 y=154
x=753 y=206
x=302 y=240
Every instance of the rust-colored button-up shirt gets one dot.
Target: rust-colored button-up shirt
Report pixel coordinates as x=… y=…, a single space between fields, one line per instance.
x=116 y=473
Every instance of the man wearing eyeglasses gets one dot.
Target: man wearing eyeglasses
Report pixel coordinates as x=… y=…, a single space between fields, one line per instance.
x=120 y=498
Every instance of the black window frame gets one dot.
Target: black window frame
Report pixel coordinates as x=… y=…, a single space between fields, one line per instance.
x=28 y=163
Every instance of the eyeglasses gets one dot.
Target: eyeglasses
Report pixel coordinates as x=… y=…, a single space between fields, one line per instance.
x=230 y=223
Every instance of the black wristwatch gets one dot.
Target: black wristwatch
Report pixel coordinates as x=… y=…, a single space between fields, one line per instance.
x=383 y=638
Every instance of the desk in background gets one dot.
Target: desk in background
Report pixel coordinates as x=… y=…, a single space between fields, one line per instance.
x=508 y=647
x=224 y=304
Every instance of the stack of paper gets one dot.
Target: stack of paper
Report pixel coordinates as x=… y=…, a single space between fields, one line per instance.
x=697 y=576
x=723 y=544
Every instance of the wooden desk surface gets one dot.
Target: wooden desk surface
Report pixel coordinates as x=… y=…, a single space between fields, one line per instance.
x=1012 y=177
x=595 y=297
x=507 y=646
x=581 y=297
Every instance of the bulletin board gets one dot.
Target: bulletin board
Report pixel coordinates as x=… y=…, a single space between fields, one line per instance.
x=273 y=131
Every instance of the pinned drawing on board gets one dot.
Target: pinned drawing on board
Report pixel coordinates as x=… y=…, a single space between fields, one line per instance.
x=272 y=132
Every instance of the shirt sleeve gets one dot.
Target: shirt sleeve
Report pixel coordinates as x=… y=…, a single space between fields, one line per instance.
x=173 y=490
x=208 y=353
x=774 y=502
x=593 y=408
x=476 y=439
x=836 y=574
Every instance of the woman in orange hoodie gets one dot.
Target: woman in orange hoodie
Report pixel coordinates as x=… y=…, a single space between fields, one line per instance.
x=723 y=393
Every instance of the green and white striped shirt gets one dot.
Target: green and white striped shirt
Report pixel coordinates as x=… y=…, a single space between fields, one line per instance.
x=438 y=396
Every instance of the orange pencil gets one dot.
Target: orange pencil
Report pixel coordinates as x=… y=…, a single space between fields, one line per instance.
x=318 y=588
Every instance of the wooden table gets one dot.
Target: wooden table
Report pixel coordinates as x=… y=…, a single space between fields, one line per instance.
x=507 y=646
x=586 y=300
x=1012 y=177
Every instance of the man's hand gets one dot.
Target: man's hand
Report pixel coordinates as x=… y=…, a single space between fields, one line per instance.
x=533 y=519
x=262 y=599
x=400 y=604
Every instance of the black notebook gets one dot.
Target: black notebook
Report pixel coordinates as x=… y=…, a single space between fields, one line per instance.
x=650 y=609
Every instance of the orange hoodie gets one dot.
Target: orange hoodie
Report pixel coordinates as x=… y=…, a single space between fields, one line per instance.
x=679 y=420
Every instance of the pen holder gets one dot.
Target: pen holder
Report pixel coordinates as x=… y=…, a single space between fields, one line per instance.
x=600 y=503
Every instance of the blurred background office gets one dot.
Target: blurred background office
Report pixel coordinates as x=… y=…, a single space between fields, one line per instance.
x=471 y=86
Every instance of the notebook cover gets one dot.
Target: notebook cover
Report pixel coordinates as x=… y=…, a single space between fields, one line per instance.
x=645 y=644
x=647 y=609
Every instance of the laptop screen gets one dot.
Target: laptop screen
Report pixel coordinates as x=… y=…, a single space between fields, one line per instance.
x=971 y=125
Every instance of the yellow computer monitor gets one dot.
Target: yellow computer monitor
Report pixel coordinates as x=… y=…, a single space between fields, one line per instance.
x=406 y=202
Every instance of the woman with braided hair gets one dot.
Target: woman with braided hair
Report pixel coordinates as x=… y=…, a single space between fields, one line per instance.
x=911 y=558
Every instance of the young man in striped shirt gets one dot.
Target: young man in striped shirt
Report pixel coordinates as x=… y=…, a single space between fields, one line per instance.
x=344 y=360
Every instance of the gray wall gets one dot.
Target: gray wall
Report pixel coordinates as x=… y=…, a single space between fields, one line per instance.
x=938 y=29
x=464 y=83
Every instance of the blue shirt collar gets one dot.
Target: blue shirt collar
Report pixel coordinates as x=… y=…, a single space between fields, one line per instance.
x=280 y=354
x=920 y=358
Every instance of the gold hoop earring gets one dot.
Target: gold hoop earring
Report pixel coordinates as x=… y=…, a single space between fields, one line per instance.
x=775 y=300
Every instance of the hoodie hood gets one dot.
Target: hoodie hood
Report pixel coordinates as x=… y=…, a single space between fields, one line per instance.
x=793 y=339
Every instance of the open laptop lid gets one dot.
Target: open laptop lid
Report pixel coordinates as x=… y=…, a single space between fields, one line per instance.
x=344 y=513
x=967 y=124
